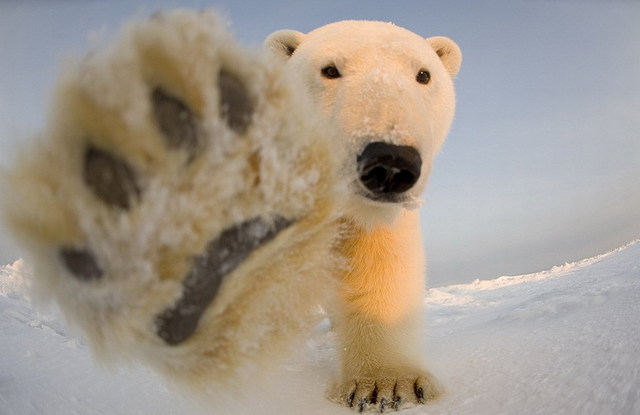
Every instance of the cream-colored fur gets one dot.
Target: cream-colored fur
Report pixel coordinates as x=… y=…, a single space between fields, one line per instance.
x=377 y=98
x=283 y=165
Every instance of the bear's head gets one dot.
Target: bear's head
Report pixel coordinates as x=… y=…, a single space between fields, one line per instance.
x=389 y=92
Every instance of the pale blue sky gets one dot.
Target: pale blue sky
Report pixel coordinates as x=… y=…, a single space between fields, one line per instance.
x=542 y=165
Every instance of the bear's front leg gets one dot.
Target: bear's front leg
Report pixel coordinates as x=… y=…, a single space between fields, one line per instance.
x=380 y=320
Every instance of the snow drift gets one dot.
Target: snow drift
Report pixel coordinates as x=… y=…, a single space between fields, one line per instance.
x=562 y=341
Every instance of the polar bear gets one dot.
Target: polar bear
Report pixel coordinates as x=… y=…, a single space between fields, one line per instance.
x=390 y=94
x=193 y=204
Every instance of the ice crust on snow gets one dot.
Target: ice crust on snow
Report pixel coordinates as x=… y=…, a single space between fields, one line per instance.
x=561 y=341
x=13 y=283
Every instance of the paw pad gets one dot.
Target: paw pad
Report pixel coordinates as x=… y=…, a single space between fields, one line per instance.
x=110 y=178
x=175 y=120
x=81 y=263
x=236 y=106
x=221 y=257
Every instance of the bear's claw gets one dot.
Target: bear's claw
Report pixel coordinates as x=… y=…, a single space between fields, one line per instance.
x=383 y=394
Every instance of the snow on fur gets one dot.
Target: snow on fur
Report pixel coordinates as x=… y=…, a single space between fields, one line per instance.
x=558 y=341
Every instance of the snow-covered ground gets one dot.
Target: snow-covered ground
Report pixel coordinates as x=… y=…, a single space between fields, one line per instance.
x=562 y=341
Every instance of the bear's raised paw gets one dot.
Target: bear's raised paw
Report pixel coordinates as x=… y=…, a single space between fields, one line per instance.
x=179 y=205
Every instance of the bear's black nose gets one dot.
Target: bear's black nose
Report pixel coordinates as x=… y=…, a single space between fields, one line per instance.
x=388 y=170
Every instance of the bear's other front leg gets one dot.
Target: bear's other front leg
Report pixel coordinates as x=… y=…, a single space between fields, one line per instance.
x=381 y=319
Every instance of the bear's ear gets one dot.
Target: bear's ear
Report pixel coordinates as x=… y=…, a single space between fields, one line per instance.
x=283 y=43
x=448 y=52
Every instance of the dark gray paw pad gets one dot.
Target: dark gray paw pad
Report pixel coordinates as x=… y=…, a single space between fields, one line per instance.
x=175 y=120
x=110 y=178
x=236 y=106
x=221 y=257
x=81 y=263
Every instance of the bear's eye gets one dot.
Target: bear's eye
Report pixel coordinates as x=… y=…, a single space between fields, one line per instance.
x=423 y=77
x=330 y=72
